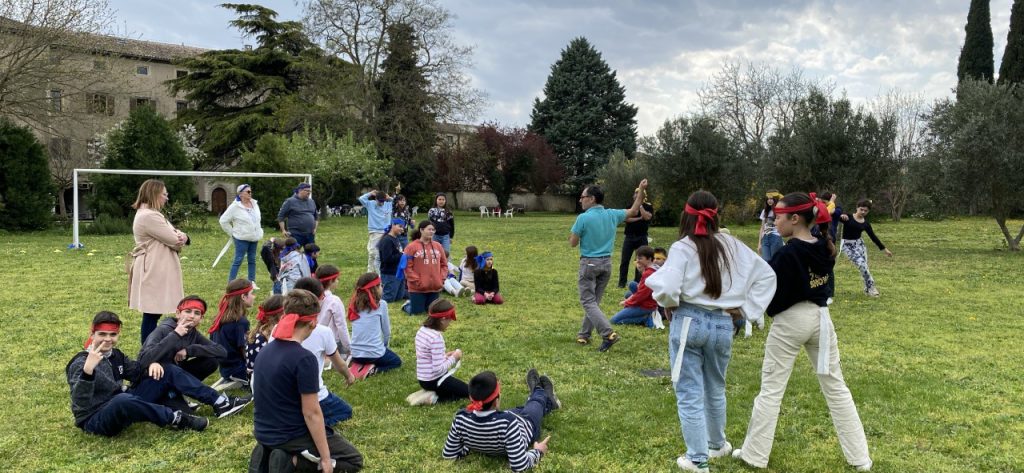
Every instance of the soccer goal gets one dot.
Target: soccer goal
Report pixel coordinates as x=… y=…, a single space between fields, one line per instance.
x=76 y=244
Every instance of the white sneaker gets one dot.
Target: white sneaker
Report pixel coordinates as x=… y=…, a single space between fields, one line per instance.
x=686 y=465
x=725 y=450
x=760 y=323
x=873 y=292
x=865 y=467
x=748 y=329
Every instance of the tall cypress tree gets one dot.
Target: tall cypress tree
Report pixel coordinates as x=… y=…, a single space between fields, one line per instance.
x=584 y=116
x=1011 y=70
x=976 y=57
x=404 y=125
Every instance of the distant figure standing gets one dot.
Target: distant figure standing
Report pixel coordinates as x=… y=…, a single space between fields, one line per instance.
x=854 y=225
x=241 y=221
x=635 y=237
x=300 y=214
x=378 y=205
x=594 y=233
x=444 y=222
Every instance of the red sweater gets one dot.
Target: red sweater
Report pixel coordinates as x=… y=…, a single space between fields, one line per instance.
x=426 y=266
x=643 y=297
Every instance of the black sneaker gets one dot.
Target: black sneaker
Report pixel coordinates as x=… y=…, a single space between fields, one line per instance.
x=231 y=406
x=532 y=379
x=183 y=421
x=610 y=340
x=549 y=390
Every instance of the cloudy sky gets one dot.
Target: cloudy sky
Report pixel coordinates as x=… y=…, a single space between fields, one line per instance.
x=662 y=50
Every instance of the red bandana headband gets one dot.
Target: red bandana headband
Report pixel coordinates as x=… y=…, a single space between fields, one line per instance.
x=102 y=326
x=326 y=279
x=223 y=307
x=193 y=304
x=263 y=313
x=286 y=327
x=448 y=314
x=353 y=314
x=822 y=217
x=703 y=217
x=476 y=405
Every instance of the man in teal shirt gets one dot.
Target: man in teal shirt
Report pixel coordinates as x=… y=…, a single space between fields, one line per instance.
x=594 y=232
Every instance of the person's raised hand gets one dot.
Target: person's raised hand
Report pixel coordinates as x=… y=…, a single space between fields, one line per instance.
x=542 y=446
x=182 y=328
x=156 y=371
x=643 y=184
x=94 y=357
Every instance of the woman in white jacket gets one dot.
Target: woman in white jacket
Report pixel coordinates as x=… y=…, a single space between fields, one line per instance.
x=242 y=222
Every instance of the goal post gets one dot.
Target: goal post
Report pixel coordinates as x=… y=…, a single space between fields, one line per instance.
x=76 y=244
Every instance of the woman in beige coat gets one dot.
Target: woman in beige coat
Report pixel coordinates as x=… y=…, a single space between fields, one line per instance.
x=155 y=273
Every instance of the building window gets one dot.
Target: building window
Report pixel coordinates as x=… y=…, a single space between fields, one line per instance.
x=180 y=106
x=449 y=139
x=180 y=73
x=101 y=104
x=142 y=70
x=137 y=102
x=55 y=100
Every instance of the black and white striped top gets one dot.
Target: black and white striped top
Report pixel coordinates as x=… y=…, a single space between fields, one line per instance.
x=492 y=433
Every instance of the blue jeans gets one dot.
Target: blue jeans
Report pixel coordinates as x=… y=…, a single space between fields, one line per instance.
x=244 y=249
x=394 y=289
x=634 y=315
x=303 y=238
x=419 y=302
x=123 y=410
x=536 y=407
x=630 y=289
x=445 y=241
x=277 y=287
x=335 y=409
x=700 y=390
x=387 y=362
x=770 y=244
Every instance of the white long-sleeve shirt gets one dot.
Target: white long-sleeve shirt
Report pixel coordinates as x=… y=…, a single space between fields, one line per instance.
x=334 y=317
x=749 y=284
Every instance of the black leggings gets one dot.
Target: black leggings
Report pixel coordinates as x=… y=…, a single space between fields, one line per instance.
x=149 y=322
x=629 y=246
x=452 y=389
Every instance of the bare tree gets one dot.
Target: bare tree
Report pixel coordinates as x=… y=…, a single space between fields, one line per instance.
x=907 y=111
x=355 y=30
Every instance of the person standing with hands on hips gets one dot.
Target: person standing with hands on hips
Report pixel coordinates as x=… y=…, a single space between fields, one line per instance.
x=299 y=213
x=594 y=233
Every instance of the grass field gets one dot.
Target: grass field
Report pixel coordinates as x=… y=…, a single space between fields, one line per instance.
x=934 y=364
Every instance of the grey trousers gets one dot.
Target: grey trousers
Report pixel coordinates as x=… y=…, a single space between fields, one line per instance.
x=593 y=278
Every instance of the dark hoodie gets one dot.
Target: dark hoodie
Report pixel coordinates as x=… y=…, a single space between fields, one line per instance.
x=164 y=342
x=89 y=393
x=802 y=272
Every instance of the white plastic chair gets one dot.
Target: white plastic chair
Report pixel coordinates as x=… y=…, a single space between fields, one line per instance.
x=483 y=211
x=509 y=212
x=415 y=210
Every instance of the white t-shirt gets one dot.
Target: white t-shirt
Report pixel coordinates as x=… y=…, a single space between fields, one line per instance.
x=321 y=343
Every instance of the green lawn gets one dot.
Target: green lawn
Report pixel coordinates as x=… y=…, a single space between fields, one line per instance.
x=934 y=364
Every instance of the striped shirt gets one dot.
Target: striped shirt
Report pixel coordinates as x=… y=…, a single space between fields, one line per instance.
x=491 y=433
x=431 y=361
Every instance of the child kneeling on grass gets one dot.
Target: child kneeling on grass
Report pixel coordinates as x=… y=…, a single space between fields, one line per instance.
x=639 y=307
x=484 y=428
x=322 y=344
x=229 y=330
x=371 y=329
x=288 y=423
x=434 y=365
x=485 y=280
x=332 y=311
x=293 y=265
x=270 y=312
x=103 y=406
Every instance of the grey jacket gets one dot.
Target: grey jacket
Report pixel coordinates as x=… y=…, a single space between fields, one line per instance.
x=89 y=393
x=164 y=342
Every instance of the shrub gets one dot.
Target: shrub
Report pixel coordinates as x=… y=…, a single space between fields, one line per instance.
x=188 y=216
x=108 y=225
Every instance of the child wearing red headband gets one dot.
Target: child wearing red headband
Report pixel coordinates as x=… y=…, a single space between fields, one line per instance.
x=286 y=381
x=484 y=428
x=434 y=364
x=332 y=311
x=177 y=341
x=371 y=329
x=229 y=330
x=269 y=313
x=801 y=319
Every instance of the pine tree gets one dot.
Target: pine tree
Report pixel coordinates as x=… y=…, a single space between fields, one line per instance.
x=976 y=57
x=26 y=190
x=404 y=125
x=1011 y=70
x=584 y=116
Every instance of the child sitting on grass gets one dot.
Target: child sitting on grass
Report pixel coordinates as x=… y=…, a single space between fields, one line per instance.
x=287 y=420
x=639 y=307
x=466 y=268
x=371 y=329
x=332 y=311
x=176 y=341
x=486 y=281
x=229 y=330
x=484 y=428
x=451 y=283
x=293 y=265
x=433 y=363
x=269 y=313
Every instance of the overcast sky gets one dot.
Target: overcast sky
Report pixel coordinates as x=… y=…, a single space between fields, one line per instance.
x=662 y=50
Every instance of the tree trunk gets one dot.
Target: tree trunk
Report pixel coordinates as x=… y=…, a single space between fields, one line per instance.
x=1012 y=243
x=61 y=206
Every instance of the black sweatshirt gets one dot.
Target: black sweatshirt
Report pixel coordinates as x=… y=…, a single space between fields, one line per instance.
x=485 y=281
x=90 y=392
x=802 y=272
x=852 y=230
x=163 y=343
x=390 y=250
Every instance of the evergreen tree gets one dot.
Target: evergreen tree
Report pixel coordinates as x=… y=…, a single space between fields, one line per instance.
x=26 y=190
x=1011 y=70
x=145 y=141
x=584 y=116
x=976 y=57
x=404 y=125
